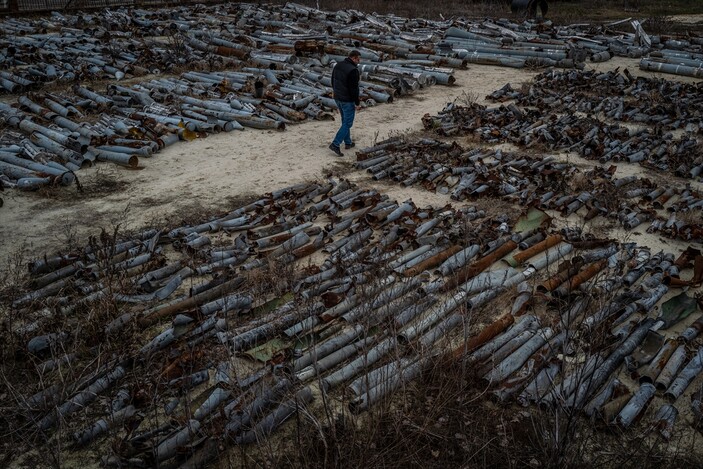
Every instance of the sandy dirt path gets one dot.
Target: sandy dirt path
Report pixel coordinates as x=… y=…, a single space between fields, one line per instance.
x=207 y=175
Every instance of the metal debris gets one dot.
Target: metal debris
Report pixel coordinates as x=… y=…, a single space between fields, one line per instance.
x=530 y=180
x=362 y=312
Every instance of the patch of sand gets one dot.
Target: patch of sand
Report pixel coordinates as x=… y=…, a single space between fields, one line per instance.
x=688 y=19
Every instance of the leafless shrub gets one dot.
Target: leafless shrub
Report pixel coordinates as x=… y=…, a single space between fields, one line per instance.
x=467 y=98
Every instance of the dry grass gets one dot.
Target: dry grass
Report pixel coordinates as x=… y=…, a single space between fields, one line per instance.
x=444 y=420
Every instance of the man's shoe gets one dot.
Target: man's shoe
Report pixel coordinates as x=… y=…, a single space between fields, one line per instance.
x=347 y=146
x=336 y=149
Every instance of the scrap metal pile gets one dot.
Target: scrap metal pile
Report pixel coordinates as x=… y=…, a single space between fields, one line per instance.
x=269 y=67
x=180 y=343
x=119 y=43
x=58 y=133
x=618 y=96
x=588 y=136
x=545 y=129
x=678 y=56
x=168 y=347
x=537 y=181
x=278 y=72
x=149 y=327
x=114 y=44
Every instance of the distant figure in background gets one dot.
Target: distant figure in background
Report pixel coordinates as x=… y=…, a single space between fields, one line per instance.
x=345 y=83
x=534 y=8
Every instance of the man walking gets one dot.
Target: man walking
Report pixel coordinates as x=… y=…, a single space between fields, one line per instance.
x=345 y=83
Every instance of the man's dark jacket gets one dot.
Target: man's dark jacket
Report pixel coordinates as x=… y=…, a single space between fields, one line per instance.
x=345 y=81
